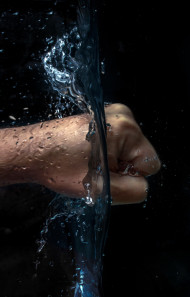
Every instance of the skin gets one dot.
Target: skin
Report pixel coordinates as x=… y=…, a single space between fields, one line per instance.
x=56 y=154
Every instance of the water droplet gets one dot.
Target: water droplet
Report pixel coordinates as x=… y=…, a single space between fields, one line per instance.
x=51 y=263
x=62 y=225
x=102 y=67
x=108 y=125
x=49 y=13
x=12 y=118
x=51 y=180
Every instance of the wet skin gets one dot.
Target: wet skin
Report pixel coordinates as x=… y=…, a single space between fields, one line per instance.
x=56 y=154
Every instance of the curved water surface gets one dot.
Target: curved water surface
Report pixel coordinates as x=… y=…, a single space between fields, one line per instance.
x=77 y=228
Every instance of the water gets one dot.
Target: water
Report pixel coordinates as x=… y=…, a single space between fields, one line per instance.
x=51 y=69
x=76 y=229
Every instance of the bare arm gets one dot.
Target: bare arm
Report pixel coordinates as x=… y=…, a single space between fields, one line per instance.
x=56 y=154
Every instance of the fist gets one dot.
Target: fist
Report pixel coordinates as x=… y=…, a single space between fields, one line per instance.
x=131 y=157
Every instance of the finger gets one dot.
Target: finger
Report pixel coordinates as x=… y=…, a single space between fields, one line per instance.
x=118 y=108
x=142 y=159
x=127 y=189
x=147 y=160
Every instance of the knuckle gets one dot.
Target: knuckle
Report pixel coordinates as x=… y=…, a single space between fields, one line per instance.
x=119 y=108
x=123 y=109
x=128 y=124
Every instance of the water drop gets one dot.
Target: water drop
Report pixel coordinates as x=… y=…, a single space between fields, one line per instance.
x=51 y=180
x=108 y=125
x=102 y=67
x=51 y=263
x=49 y=13
x=12 y=118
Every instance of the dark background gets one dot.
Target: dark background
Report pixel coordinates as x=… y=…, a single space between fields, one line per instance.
x=146 y=51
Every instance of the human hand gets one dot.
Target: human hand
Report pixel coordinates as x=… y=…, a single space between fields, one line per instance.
x=131 y=156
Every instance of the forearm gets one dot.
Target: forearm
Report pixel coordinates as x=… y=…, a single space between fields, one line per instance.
x=16 y=155
x=25 y=152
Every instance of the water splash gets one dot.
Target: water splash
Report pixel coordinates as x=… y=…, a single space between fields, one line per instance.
x=68 y=239
x=74 y=234
x=62 y=68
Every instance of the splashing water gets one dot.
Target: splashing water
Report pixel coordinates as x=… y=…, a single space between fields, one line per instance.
x=62 y=66
x=74 y=234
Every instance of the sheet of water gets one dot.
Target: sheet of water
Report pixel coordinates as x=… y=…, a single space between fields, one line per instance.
x=62 y=68
x=77 y=228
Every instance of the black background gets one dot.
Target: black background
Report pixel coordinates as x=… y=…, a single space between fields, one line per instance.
x=146 y=51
